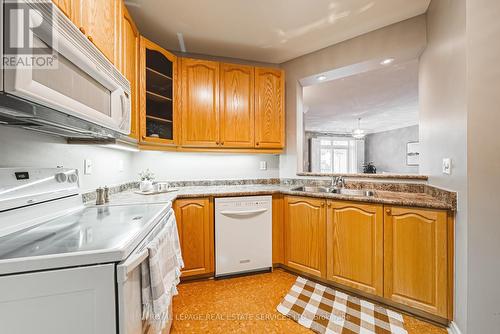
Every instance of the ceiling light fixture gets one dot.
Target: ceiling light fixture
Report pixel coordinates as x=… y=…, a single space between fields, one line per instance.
x=387 y=61
x=321 y=78
x=358 y=133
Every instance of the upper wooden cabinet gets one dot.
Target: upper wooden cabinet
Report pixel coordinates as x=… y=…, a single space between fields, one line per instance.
x=355 y=245
x=130 y=66
x=415 y=258
x=236 y=105
x=158 y=98
x=196 y=234
x=66 y=6
x=200 y=103
x=269 y=108
x=305 y=235
x=100 y=21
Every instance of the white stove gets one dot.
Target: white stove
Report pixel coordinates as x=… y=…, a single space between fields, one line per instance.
x=64 y=265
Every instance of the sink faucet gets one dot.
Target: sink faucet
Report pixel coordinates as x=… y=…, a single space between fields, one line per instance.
x=338 y=182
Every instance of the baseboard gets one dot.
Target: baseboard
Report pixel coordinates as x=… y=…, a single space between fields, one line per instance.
x=453 y=328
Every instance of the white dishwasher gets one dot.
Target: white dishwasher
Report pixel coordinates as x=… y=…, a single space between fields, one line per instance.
x=243 y=234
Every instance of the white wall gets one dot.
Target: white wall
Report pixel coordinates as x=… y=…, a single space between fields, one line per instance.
x=483 y=165
x=404 y=41
x=25 y=148
x=205 y=166
x=443 y=123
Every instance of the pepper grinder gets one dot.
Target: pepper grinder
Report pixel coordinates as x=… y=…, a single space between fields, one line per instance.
x=99 y=199
x=106 y=194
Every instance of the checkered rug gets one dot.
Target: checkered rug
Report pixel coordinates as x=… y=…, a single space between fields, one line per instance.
x=325 y=310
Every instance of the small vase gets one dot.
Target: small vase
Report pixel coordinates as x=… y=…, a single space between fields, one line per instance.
x=146 y=185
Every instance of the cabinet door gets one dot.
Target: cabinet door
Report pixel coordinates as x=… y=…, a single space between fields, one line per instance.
x=100 y=21
x=269 y=108
x=158 y=103
x=200 y=103
x=236 y=105
x=130 y=66
x=415 y=258
x=355 y=245
x=196 y=233
x=305 y=235
x=66 y=6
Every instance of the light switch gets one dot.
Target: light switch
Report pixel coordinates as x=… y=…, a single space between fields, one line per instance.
x=263 y=165
x=87 y=166
x=447 y=166
x=120 y=166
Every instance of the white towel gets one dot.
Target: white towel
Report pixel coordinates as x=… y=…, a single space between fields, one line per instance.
x=160 y=275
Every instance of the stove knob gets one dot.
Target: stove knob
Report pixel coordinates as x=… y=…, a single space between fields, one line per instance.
x=61 y=177
x=72 y=178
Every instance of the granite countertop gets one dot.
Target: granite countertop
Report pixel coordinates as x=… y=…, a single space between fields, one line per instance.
x=422 y=200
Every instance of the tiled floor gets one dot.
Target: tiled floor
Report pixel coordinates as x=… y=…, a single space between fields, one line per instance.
x=247 y=305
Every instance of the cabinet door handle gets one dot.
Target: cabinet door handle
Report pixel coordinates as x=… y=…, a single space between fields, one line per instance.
x=388 y=211
x=257 y=144
x=90 y=38
x=82 y=30
x=329 y=205
x=322 y=205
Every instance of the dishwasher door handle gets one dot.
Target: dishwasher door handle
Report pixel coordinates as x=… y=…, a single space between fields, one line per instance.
x=243 y=213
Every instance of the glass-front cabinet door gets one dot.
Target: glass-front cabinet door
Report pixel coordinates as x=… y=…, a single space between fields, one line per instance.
x=158 y=91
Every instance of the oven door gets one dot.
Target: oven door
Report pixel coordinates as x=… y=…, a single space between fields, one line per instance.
x=80 y=82
x=130 y=320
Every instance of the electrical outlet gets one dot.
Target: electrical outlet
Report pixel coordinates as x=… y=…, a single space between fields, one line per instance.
x=87 y=166
x=120 y=166
x=447 y=166
x=263 y=165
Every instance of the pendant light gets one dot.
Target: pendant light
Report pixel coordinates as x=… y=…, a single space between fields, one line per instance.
x=358 y=133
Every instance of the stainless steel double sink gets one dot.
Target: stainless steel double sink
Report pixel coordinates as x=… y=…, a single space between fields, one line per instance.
x=341 y=191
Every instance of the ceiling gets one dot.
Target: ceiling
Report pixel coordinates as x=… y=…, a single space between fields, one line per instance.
x=272 y=31
x=384 y=99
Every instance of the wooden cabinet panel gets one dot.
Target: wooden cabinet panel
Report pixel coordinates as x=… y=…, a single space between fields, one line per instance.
x=200 y=103
x=236 y=105
x=196 y=232
x=269 y=108
x=100 y=21
x=415 y=258
x=278 y=233
x=355 y=245
x=66 y=6
x=305 y=235
x=130 y=66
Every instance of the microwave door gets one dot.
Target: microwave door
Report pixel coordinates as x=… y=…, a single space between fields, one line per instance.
x=76 y=85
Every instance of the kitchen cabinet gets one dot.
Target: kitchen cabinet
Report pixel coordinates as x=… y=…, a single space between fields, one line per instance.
x=130 y=66
x=200 y=103
x=100 y=21
x=416 y=258
x=158 y=102
x=196 y=233
x=66 y=6
x=305 y=235
x=269 y=108
x=236 y=106
x=355 y=245
x=278 y=233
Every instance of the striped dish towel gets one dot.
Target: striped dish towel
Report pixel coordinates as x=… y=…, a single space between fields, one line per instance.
x=160 y=275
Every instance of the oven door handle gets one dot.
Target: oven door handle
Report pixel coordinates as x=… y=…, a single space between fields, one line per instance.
x=124 y=268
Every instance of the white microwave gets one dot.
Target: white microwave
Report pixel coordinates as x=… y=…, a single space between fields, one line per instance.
x=79 y=94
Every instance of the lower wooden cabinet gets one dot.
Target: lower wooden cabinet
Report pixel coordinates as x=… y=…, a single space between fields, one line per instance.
x=196 y=232
x=355 y=246
x=305 y=235
x=416 y=258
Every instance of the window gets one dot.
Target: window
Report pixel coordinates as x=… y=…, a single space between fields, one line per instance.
x=334 y=155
